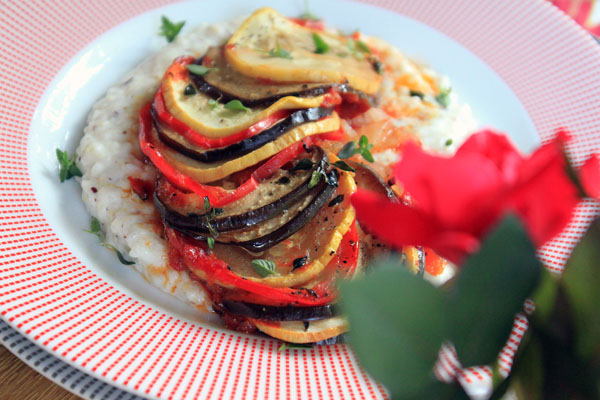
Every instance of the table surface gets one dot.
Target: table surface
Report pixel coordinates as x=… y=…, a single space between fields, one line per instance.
x=20 y=382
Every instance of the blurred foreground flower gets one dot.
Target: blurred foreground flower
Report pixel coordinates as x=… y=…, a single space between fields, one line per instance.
x=457 y=200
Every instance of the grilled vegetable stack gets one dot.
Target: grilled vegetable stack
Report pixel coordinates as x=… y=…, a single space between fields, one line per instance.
x=252 y=202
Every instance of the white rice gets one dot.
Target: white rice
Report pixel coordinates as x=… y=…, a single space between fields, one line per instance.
x=109 y=153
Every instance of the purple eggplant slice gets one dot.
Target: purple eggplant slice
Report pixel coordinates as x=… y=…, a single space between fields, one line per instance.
x=273 y=313
x=242 y=147
x=294 y=191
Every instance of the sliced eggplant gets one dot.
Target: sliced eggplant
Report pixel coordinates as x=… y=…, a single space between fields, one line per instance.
x=261 y=242
x=242 y=147
x=179 y=215
x=367 y=178
x=250 y=49
x=214 y=119
x=272 y=313
x=228 y=84
x=211 y=172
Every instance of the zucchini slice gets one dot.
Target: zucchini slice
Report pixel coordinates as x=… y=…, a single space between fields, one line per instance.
x=297 y=332
x=215 y=120
x=204 y=172
x=252 y=51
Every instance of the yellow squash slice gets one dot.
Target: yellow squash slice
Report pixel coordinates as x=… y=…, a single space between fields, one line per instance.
x=215 y=121
x=296 y=332
x=252 y=50
x=204 y=173
x=318 y=241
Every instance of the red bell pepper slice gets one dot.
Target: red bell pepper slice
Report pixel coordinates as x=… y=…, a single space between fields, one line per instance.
x=195 y=255
x=218 y=196
x=198 y=139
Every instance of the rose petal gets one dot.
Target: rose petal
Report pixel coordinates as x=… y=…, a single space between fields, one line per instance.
x=589 y=174
x=459 y=192
x=394 y=223
x=497 y=148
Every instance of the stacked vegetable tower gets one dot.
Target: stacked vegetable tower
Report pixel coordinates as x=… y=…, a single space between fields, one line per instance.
x=254 y=206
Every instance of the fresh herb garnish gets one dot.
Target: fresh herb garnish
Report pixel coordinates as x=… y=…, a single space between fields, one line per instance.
x=211 y=242
x=212 y=103
x=336 y=200
x=236 y=105
x=279 y=52
x=210 y=214
x=294 y=346
x=189 y=90
x=211 y=229
x=263 y=267
x=351 y=44
x=315 y=178
x=343 y=165
x=443 y=98
x=96 y=229
x=448 y=142
x=206 y=203
x=170 y=29
x=299 y=262
x=305 y=164
x=68 y=169
x=416 y=93
x=363 y=148
x=348 y=150
x=362 y=46
x=320 y=46
x=200 y=70
x=307 y=15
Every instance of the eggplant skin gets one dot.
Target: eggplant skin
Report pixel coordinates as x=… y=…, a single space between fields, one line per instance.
x=198 y=222
x=248 y=145
x=328 y=184
x=274 y=313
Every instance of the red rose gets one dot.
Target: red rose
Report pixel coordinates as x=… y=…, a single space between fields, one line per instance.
x=458 y=199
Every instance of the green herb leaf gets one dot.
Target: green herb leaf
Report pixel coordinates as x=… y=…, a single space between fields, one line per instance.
x=497 y=279
x=279 y=52
x=212 y=103
x=211 y=229
x=263 y=267
x=315 y=178
x=336 y=200
x=307 y=15
x=364 y=148
x=343 y=165
x=303 y=165
x=211 y=242
x=120 y=256
x=169 y=29
x=362 y=46
x=443 y=98
x=67 y=167
x=320 y=46
x=581 y=281
x=236 y=105
x=348 y=150
x=299 y=262
x=200 y=70
x=397 y=326
x=294 y=346
x=189 y=90
x=416 y=93
x=96 y=229
x=351 y=44
x=206 y=204
x=448 y=142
